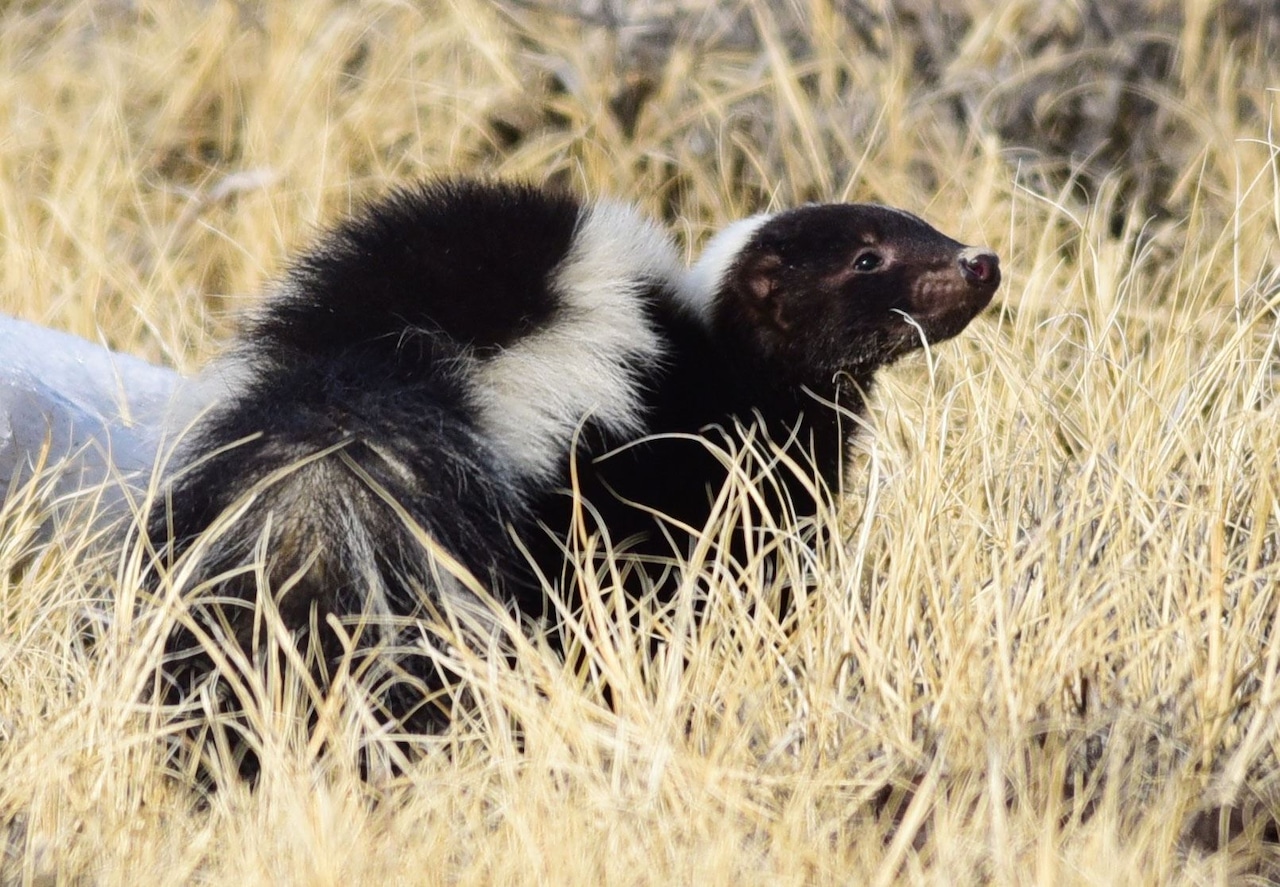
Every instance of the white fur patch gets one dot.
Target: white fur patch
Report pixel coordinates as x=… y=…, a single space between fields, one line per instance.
x=698 y=287
x=536 y=393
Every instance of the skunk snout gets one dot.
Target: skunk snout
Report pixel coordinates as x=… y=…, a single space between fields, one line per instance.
x=980 y=266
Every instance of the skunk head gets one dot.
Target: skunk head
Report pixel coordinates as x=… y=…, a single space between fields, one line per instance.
x=837 y=288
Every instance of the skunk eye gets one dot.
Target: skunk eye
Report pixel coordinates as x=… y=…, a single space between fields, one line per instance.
x=867 y=262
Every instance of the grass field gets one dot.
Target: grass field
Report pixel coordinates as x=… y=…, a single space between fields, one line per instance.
x=1040 y=647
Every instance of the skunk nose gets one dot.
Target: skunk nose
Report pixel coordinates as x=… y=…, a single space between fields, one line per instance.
x=980 y=266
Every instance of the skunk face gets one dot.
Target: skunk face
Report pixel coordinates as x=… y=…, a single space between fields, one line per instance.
x=843 y=288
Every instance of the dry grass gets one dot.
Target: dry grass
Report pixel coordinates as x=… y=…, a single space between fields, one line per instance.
x=1046 y=622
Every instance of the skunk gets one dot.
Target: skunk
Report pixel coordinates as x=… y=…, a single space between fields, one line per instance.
x=394 y=414
x=407 y=412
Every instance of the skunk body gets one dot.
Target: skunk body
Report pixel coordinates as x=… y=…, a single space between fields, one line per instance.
x=397 y=408
x=406 y=411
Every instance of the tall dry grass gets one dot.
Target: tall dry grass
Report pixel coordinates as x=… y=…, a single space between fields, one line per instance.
x=1038 y=647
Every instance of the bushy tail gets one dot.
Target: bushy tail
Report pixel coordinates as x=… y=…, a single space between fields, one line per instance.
x=276 y=552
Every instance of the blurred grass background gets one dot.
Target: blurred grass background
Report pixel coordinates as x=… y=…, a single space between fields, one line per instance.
x=1040 y=648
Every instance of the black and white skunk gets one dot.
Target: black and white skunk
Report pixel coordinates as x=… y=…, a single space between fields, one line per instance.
x=405 y=411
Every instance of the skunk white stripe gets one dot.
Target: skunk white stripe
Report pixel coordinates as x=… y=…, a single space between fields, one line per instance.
x=534 y=394
x=699 y=286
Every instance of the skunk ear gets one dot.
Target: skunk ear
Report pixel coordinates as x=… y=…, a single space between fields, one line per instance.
x=759 y=286
x=761 y=276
